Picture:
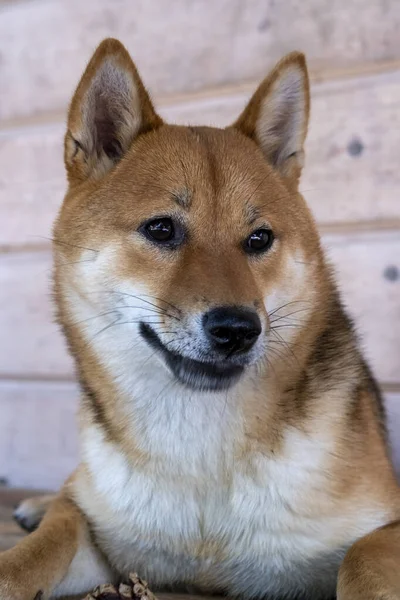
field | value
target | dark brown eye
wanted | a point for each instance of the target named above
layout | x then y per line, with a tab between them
160	230
259	241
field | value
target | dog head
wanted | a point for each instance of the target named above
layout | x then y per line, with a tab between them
189	246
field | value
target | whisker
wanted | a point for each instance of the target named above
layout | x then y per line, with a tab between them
288	304
104	314
147	302
115	323
175	340
181	350
160	312
66	264
280	341
62	243
283	342
103	329
51	269
288	325
312	190
278	352
170	332
162	300
148	358
115	311
270	365
75	262
170	384
159	309
288	315
225	404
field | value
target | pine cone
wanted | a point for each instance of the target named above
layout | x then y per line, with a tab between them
135	589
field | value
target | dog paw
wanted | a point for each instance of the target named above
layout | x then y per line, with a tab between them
28	514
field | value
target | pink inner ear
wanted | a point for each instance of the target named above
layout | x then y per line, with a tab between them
109	108
283	115
105	132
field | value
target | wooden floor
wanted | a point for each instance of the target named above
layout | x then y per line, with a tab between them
10	532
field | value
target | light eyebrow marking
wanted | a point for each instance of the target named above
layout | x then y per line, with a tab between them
252	213
183	198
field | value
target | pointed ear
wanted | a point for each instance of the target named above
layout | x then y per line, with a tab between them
109	109
276	117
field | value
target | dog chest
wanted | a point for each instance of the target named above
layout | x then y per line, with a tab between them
213	532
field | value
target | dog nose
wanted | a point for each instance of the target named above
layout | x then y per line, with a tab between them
232	329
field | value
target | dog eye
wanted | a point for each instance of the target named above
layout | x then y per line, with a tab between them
259	241
160	230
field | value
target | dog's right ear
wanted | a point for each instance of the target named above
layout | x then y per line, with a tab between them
110	108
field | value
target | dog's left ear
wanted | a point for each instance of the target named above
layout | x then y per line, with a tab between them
276	117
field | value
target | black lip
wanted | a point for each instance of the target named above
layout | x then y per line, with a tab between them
195	374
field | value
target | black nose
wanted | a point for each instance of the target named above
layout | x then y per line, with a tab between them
232	329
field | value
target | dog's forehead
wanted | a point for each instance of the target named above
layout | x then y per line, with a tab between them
201	165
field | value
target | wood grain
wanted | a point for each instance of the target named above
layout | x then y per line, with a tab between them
32	184
181	45
368	275
201	61
38	432
31	346
351	173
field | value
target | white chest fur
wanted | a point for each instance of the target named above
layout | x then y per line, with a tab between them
198	516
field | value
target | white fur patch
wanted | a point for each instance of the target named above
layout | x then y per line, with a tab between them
289	306
87	570
261	520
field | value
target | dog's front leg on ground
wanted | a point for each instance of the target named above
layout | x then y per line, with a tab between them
57	559
371	568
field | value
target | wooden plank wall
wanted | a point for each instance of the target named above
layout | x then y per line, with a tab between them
201	60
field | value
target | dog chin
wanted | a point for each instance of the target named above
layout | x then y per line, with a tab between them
194	374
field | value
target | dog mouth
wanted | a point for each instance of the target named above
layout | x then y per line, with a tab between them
195	374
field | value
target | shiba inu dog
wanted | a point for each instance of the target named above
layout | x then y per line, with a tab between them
232	436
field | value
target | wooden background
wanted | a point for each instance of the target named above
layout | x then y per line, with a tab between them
200	59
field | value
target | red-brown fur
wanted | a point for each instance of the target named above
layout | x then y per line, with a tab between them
308	406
